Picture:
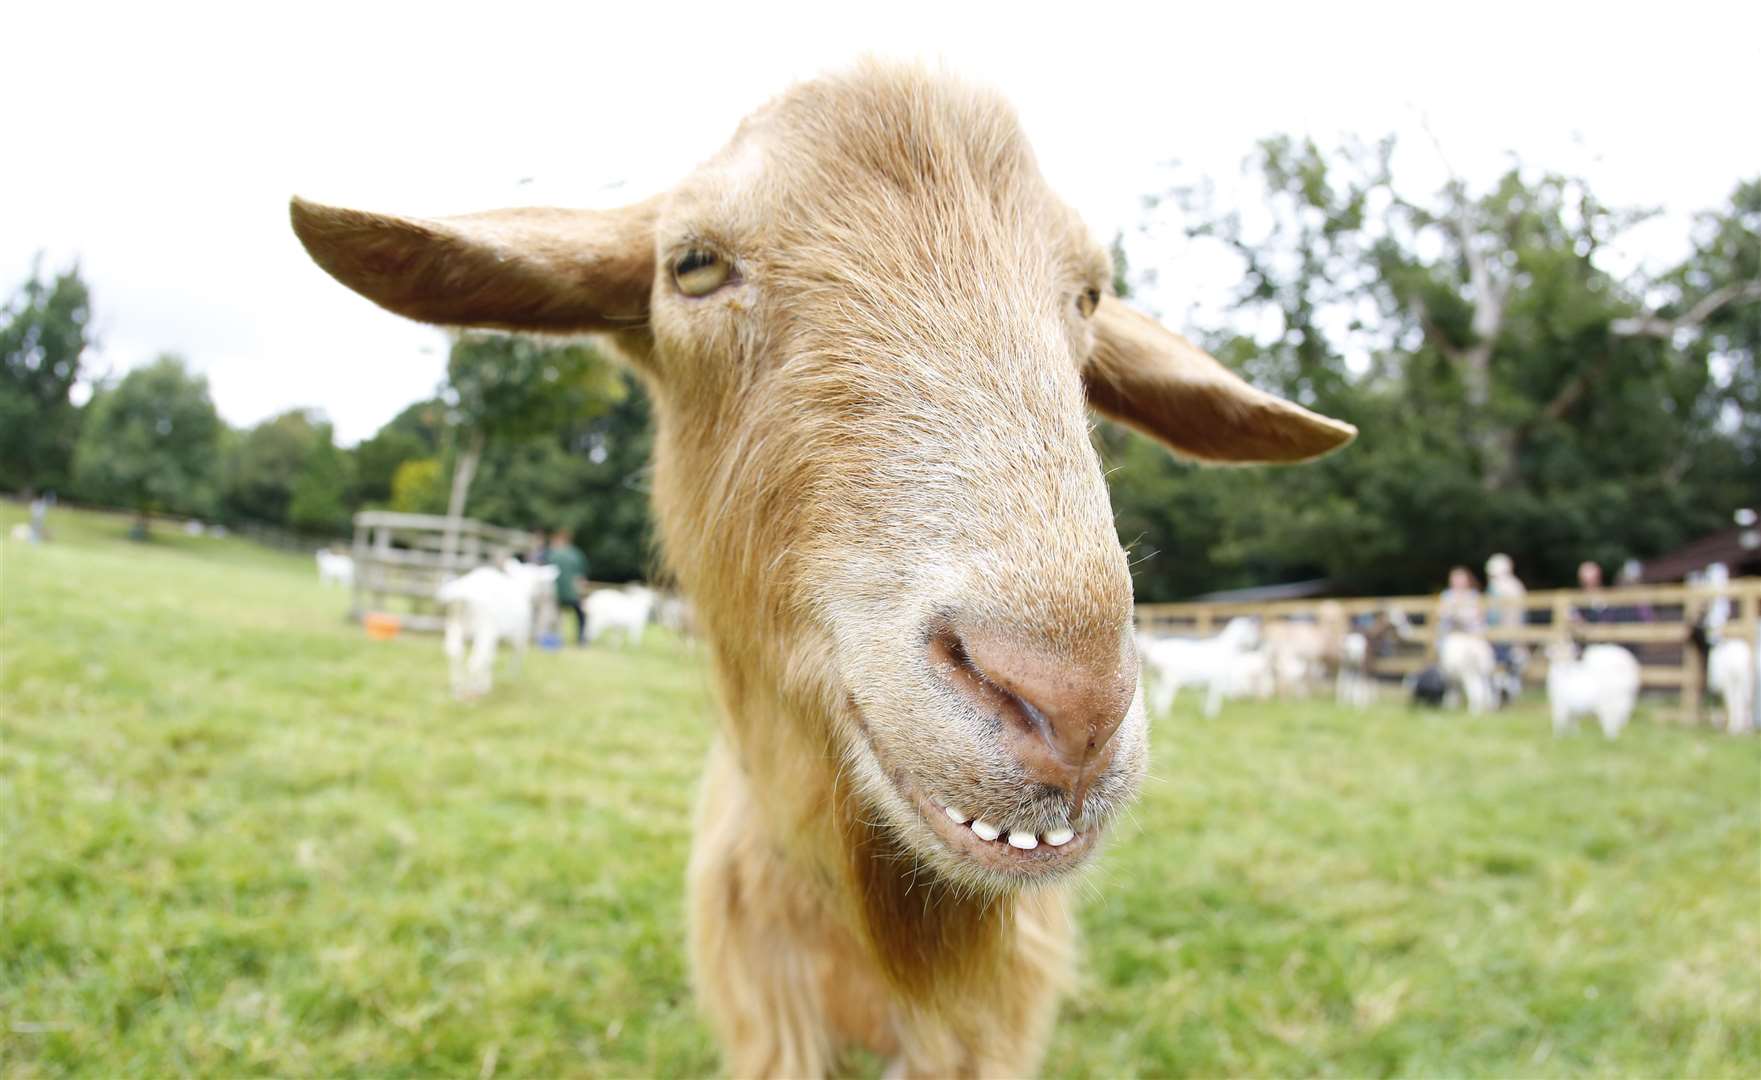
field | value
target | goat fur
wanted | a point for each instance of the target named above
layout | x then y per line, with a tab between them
873	425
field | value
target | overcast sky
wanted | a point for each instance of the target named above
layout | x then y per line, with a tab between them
158	143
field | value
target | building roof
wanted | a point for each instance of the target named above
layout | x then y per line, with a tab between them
1737	548
1291	590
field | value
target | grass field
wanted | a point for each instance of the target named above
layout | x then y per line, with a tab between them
241	839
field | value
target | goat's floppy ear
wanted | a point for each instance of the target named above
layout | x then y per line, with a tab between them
1163	385
538	270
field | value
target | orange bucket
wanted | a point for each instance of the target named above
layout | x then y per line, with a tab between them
380	626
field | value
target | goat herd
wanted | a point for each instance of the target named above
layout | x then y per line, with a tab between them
515	602
1249	659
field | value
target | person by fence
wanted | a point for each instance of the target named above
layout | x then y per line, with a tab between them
571	571
1459	608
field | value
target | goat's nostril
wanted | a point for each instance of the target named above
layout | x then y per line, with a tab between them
1058	716
949	652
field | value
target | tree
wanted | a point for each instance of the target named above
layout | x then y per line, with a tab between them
419	487
323	494
1513	393
262	466
415	433
590	477
44	333
288	471
151	443
1713	307
509	389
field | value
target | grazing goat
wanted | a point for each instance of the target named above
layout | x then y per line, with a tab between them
1250	676
1467	663
487	605
1173	663
1603	682
1306	656
1361	651
1730	673
624	612
1296	651
335	568
673	612
871	333
1355	686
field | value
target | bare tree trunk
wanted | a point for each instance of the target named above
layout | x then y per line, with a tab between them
1497	445
463	471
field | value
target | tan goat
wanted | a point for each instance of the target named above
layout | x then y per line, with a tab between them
870	332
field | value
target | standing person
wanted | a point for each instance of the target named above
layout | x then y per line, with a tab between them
1706	616
1504	593
1504	608
40	518
571	576
1717	578
1594	609
1459	610
1631	576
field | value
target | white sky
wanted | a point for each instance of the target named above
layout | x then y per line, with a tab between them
158	142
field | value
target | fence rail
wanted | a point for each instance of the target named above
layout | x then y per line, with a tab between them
401	559
1655	621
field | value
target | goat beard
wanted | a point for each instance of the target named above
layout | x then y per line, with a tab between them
932	937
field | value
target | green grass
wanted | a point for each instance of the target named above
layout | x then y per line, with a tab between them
241	839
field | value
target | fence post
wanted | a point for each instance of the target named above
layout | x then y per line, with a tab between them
1752	605
1693	692
357	587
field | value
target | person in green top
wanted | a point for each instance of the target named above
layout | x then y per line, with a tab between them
571	575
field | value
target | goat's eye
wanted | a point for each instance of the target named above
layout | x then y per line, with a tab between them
699	273
1086	302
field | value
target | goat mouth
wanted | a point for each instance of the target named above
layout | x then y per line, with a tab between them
1024	853
1018	852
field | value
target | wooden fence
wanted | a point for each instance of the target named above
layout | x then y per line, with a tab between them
1653	621
401	559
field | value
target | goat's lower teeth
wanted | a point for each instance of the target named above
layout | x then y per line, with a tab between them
1058	837
955	816
985	830
1023	840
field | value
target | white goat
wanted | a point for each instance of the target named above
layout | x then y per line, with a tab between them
1296	652
1250	676
1467	664
1730	673
486	605
335	568
674	612
1171	663
623	611
1604	682
1355	686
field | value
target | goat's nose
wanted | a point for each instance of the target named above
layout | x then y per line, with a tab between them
1058	714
